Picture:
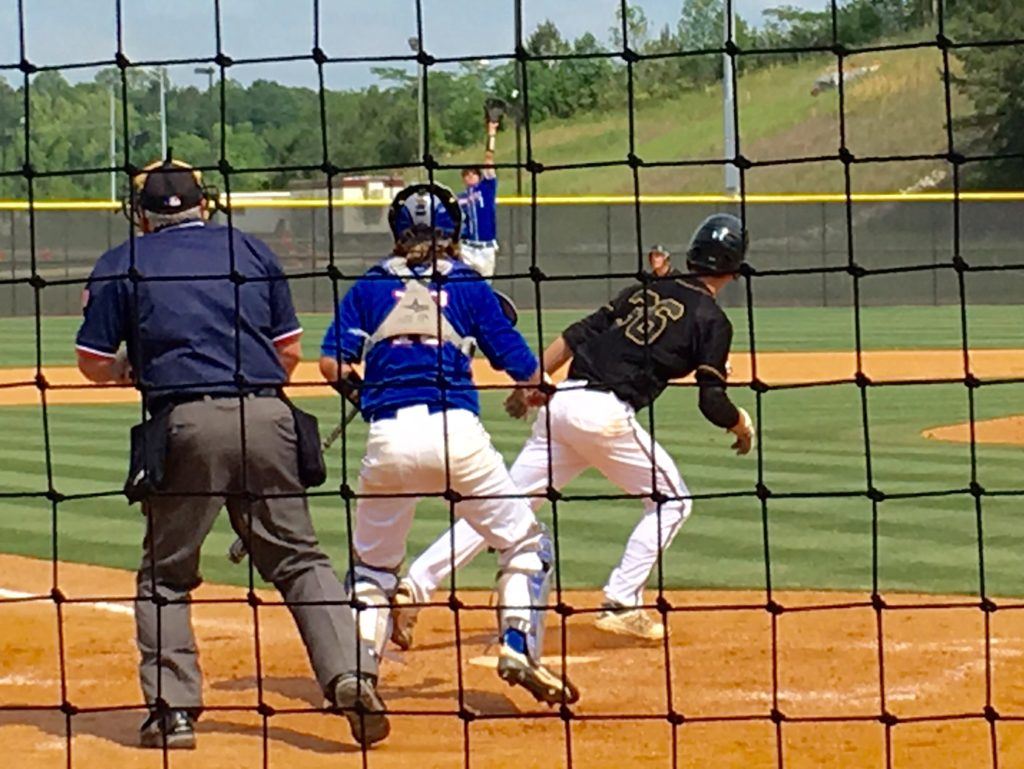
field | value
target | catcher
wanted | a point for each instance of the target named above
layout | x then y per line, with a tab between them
414	319
623	356
479	201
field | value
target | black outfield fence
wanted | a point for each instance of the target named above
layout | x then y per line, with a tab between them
910	236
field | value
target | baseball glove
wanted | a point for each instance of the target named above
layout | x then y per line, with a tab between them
495	109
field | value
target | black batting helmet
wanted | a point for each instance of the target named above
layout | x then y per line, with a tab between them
718	246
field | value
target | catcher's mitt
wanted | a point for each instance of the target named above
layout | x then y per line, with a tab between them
495	109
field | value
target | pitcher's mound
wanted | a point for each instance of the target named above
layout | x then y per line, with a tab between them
1008	430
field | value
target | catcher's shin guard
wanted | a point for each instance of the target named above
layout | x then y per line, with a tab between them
372	590
524	584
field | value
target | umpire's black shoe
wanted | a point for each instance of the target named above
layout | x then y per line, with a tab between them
357	698
172	728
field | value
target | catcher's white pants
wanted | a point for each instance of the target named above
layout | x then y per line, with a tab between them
406	455
588	429
480	256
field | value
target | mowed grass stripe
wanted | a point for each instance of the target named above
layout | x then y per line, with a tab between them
776	328
813	440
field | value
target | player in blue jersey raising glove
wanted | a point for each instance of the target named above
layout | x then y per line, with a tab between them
414	320
479	247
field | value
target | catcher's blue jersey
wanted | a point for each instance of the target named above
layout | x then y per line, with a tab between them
404	372
480	210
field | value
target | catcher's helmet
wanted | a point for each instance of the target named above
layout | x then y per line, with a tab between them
718	245
425	212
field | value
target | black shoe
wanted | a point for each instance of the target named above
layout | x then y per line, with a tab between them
173	728
517	669
357	698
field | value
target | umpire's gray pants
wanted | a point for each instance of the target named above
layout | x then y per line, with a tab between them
205	458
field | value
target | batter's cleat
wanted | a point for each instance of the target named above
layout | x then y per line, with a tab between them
516	668
623	620
357	698
403	616
172	728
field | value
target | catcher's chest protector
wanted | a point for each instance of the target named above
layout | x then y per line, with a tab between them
417	313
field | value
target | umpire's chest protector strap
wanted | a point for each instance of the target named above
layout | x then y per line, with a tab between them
417	314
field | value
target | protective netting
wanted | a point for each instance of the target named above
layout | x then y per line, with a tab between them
532	282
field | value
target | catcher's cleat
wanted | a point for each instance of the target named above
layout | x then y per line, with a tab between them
517	669
623	620
403	616
357	698
172	729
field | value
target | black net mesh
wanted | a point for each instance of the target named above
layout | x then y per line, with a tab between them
846	252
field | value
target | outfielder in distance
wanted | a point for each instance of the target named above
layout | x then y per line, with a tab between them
414	320
478	202
623	357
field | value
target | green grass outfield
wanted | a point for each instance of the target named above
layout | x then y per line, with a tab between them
813	444
775	329
779	118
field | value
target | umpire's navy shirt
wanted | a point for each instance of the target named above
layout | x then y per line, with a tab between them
184	337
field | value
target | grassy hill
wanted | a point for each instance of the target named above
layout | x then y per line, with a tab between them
899	109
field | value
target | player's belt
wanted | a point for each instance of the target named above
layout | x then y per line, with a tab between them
481	243
391	413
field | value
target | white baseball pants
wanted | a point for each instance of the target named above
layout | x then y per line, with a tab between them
588	429
407	455
481	257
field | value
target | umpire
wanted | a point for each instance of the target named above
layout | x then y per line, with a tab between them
210	336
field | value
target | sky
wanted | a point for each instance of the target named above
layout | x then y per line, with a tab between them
65	31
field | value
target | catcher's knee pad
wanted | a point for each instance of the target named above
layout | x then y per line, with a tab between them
372	590
524	584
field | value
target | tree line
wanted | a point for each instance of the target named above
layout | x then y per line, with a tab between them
267	125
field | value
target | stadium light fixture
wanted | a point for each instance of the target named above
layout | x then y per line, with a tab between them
208	71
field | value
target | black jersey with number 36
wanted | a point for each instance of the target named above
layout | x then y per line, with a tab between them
649	335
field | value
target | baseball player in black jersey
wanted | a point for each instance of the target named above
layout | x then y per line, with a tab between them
623	356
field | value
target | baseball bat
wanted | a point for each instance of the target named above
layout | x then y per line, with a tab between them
238	550
340	428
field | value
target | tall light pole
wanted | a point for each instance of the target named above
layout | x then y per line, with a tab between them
519	112
208	71
113	147
421	73
162	73
732	173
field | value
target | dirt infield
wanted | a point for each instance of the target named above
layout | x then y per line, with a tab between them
720	663
18	387
1007	430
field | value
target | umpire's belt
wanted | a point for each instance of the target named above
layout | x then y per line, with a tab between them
160	402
